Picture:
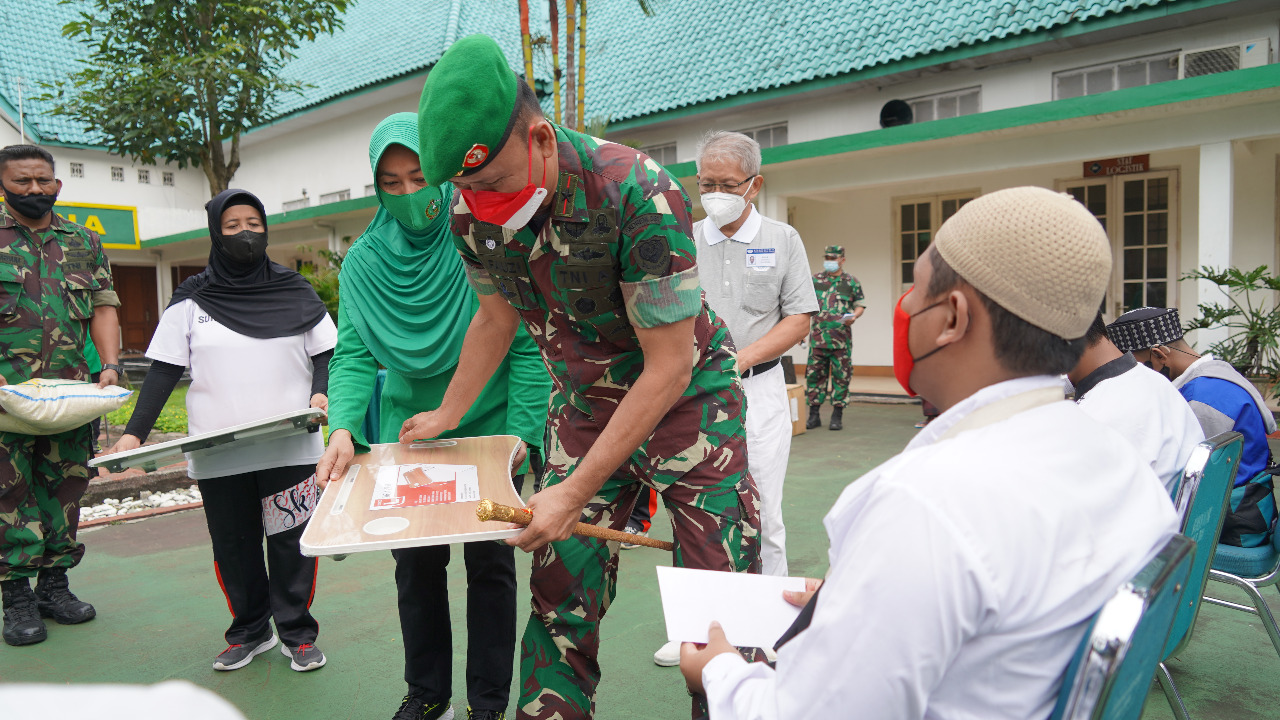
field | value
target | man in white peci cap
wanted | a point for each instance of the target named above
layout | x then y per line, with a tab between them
964	569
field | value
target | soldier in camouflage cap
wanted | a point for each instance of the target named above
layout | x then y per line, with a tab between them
839	306
589	244
55	287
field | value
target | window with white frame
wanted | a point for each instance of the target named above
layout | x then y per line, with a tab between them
337	196
1134	72
77	170
946	105
1139	213
915	221
144	177
291	205
166	178
664	154
117	174
768	135
371	189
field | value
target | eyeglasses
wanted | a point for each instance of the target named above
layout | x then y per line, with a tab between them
707	187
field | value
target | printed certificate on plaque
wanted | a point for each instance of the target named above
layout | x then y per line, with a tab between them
401	486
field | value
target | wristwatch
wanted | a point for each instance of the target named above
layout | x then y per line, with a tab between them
112	366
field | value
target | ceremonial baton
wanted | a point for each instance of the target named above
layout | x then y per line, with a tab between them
489	510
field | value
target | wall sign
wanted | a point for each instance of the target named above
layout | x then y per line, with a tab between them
117	225
1117	166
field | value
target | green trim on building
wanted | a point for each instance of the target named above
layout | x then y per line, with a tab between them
315	212
1174	91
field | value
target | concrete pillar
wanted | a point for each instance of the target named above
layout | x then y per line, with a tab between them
1217	196
164	281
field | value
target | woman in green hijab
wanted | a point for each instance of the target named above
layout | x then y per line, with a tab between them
404	303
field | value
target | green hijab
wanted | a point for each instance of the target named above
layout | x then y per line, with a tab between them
402	283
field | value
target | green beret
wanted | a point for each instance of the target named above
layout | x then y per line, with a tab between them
835	250
467	110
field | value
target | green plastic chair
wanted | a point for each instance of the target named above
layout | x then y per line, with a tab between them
1111	672
1201	502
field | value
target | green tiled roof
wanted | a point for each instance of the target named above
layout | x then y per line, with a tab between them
691	52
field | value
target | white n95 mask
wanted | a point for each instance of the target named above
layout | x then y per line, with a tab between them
723	208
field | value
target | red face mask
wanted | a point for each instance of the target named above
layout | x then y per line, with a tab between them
903	362
510	210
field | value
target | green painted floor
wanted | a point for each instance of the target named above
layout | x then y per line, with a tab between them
161	615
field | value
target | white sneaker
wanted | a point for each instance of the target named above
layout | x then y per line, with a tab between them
668	655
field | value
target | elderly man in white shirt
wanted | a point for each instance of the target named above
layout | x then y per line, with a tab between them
755	276
964	569
1138	403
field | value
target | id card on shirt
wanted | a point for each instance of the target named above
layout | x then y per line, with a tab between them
762	257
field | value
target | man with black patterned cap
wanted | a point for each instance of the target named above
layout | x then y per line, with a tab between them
589	244
1222	399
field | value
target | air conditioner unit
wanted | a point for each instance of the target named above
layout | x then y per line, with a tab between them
1208	61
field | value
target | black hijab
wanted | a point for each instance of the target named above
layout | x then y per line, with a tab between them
261	300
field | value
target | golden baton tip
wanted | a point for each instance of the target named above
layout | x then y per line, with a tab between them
484	510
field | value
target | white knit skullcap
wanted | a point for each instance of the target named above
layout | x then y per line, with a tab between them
1036	253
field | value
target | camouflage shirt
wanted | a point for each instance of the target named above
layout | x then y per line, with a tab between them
50	282
837	296
614	253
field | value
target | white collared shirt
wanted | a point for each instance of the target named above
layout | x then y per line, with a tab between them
745	234
963	571
758	279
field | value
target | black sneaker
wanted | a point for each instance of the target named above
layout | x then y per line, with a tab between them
304	657
473	714
414	708
55	599
634	529
237	656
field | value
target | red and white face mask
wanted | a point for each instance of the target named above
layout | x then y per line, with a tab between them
510	210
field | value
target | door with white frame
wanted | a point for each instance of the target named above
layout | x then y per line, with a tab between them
915	220
1140	214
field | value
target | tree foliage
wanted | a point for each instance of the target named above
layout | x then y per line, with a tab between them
173	80
1250	316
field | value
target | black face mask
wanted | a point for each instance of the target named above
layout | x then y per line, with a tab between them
1163	371
34	206
245	247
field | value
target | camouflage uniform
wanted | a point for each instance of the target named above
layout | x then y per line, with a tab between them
616	253
50	282
829	338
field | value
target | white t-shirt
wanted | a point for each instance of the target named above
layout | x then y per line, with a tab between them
236	379
1147	410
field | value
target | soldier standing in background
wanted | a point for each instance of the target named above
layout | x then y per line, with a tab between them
589	244
839	305
55	289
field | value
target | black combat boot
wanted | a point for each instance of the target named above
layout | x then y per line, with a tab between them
22	623
837	419
58	602
814	419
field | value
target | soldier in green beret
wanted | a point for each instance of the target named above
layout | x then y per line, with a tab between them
55	290
588	243
839	306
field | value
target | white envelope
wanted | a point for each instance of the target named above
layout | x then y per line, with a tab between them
750	608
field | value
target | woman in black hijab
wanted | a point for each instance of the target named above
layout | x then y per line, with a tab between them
257	340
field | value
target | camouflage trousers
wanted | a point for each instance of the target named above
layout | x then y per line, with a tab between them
827	363
42	478
715	517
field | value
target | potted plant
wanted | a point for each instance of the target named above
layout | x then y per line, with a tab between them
1251	318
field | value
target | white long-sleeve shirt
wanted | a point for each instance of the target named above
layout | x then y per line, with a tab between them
1147	410
964	569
